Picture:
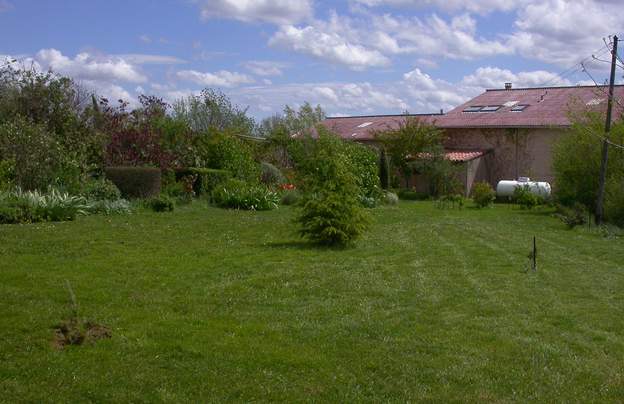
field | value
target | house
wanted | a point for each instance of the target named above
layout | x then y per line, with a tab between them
501	134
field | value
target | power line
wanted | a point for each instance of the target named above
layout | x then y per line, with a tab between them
577	67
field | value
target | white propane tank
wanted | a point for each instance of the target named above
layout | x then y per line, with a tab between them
506	188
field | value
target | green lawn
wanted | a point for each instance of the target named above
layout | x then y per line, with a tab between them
214	305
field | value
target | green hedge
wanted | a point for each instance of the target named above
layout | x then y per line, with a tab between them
411	195
135	182
207	178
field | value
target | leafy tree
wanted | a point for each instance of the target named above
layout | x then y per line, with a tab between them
43	132
412	141
213	110
577	156
278	130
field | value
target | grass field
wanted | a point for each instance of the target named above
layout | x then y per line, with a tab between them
213	305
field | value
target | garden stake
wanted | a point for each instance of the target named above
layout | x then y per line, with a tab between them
534	255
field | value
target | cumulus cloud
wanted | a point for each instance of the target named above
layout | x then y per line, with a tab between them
494	77
222	78
416	92
265	67
86	66
272	11
474	6
564	31
328	46
435	36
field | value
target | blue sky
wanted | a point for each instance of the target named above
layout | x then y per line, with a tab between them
352	57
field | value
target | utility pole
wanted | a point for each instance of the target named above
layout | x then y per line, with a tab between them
605	142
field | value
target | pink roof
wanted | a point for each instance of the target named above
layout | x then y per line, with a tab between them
361	128
546	107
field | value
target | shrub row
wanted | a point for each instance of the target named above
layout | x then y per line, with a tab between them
207	179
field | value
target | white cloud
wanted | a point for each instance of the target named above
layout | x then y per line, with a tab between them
145	38
272	11
86	66
222	78
563	31
329	46
475	6
143	59
435	36
265	67
494	77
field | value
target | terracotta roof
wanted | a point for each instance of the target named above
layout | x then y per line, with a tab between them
545	107
464	155
457	155
362	127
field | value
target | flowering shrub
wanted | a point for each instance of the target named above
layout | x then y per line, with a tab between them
287	187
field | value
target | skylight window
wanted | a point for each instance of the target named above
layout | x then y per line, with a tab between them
519	108
365	124
510	104
473	108
491	108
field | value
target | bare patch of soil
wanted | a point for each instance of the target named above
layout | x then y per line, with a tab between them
78	332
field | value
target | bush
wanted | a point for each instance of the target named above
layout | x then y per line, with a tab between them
390	198
368	201
411	195
573	216
237	194
207	178
452	201
271	175
101	190
10	215
483	195
290	197
577	159
614	202
7	174
33	206
330	211
364	165
135	182
161	204
227	152
107	207
525	198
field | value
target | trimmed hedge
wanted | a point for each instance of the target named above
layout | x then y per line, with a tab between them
207	178
135	182
411	195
